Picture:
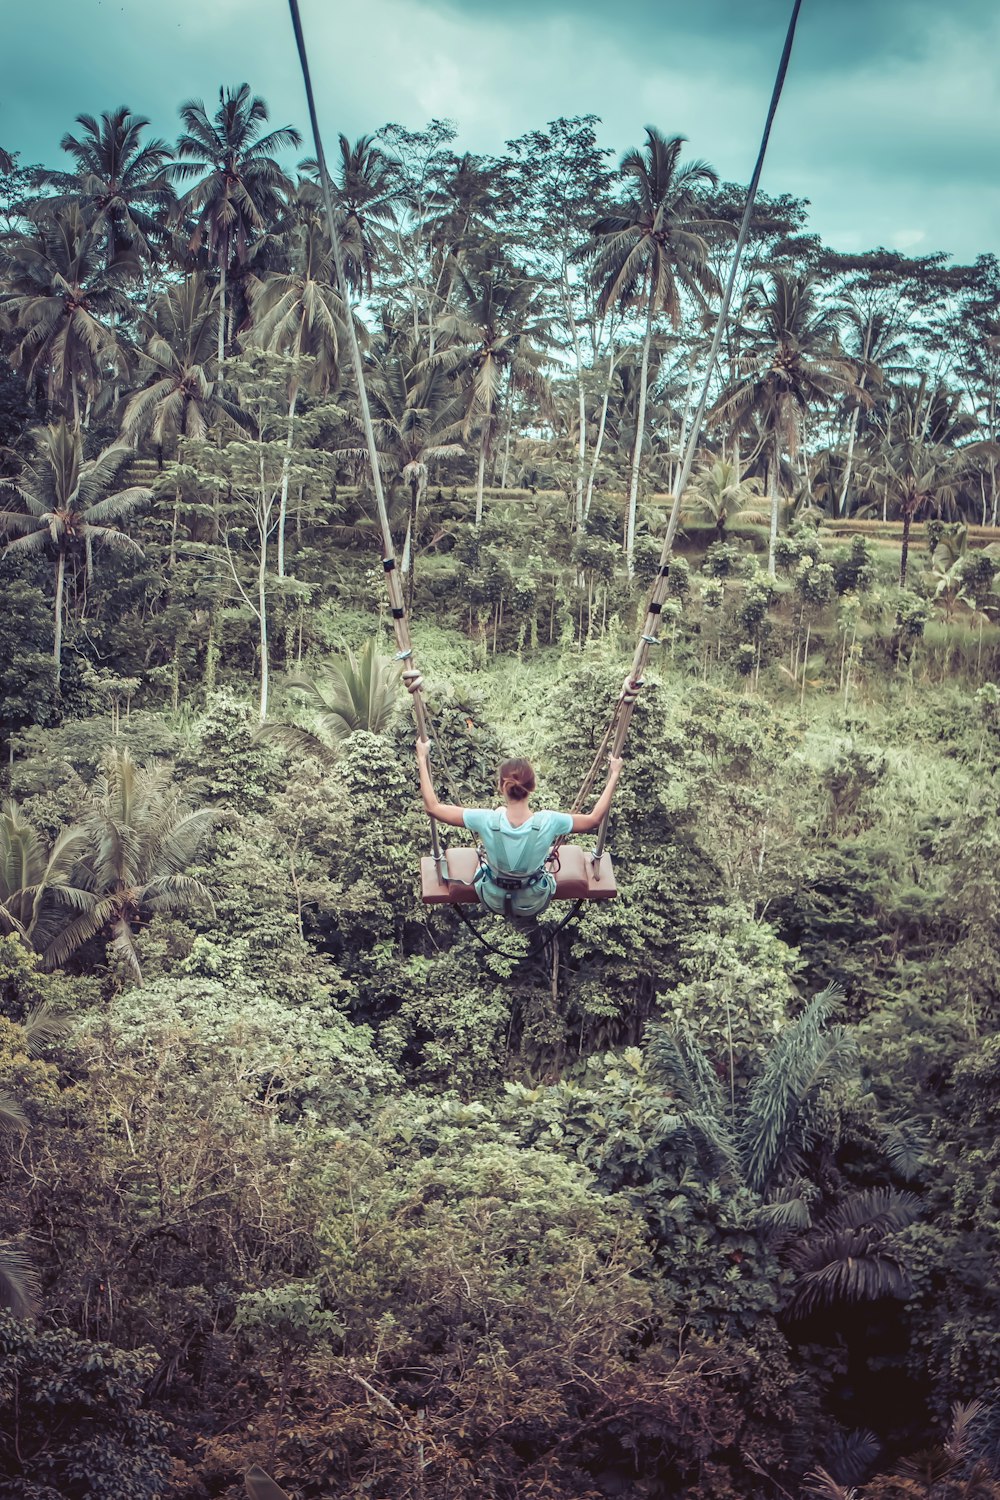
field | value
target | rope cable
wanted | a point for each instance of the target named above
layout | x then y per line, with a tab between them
621	718
411	677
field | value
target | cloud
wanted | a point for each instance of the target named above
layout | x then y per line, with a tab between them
890	118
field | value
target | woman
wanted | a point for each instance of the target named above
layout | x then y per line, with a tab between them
514	881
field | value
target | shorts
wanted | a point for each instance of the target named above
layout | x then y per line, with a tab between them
530	901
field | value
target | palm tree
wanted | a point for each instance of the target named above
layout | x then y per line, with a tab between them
718	492
61	301
121	179
68	501
241	189
29	873
917	466
461	212
849	1256
792	365
496	339
182	395
141	840
646	253
358	692
954	1469
369	191
18	1279
878	346
418	414
762	1140
300	313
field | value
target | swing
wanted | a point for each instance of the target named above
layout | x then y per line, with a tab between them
447	876
580	876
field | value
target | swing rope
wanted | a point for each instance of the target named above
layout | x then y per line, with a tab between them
412	679
616	733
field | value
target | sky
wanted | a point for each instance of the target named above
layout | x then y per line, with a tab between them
889	123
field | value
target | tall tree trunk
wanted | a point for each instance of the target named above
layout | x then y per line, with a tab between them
479	476
848	466
262	617
772	489
418	489
506	447
286	465
58	633
640	427
581	445
222	310
211	654
905	550
174	526
599	443
682	436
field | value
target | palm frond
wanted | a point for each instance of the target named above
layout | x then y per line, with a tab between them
19	1287
44	1025
803	1056
260	1486
12	1115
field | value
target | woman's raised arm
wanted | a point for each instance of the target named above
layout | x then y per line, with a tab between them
587	822
445	812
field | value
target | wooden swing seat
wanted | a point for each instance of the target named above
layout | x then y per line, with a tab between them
578	878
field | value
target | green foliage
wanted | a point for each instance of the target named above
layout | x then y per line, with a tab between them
339	1196
77	1409
854	568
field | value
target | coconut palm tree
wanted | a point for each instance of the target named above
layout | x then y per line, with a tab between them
69	502
358	692
121	181
30	874
240	189
496	340
18	1279
916	475
141	838
61	303
418	414
791	365
182	395
646	253
877	346
369	192
300	313
461	213
719	493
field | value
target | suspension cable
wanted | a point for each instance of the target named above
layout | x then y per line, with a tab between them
621	718
412	679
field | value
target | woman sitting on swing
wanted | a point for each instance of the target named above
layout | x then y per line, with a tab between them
514	881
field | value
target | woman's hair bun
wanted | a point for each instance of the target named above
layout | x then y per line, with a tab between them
516	779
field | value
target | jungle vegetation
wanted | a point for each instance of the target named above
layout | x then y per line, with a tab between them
296	1178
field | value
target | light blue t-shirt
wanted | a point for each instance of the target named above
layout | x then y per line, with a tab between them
517	851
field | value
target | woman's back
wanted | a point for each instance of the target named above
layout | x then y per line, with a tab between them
516	849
